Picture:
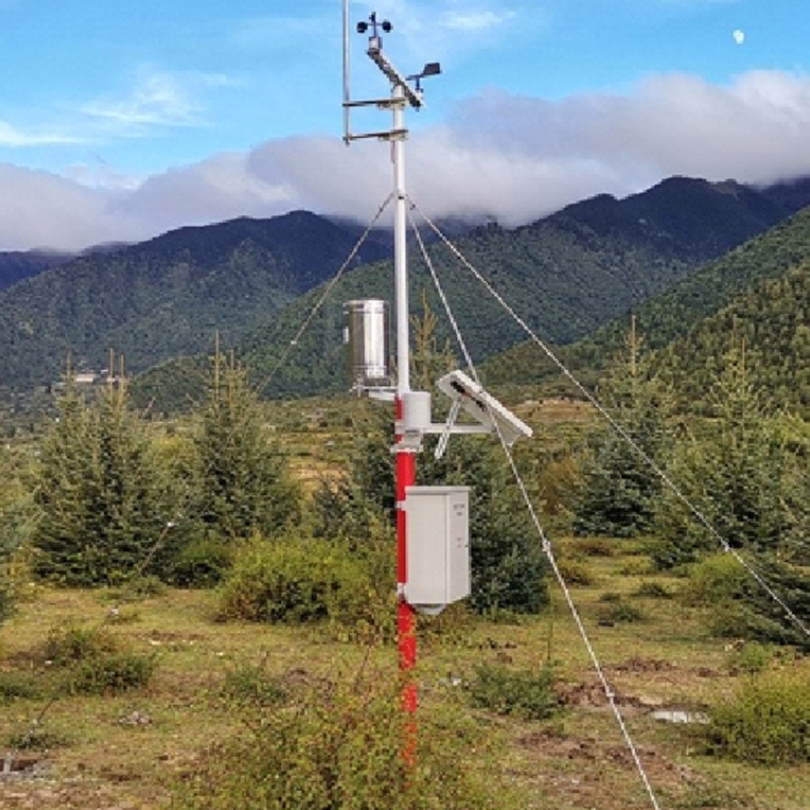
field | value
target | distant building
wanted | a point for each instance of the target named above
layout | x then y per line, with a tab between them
85	377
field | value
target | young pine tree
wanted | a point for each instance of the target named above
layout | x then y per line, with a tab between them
102	507
6	595
242	480
618	490
16	519
734	468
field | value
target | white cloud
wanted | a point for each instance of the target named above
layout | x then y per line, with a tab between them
14	137
455	28
516	158
38	209
472	20
753	130
216	189
159	98
101	174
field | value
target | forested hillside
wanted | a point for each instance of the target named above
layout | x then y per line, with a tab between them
565	275
18	265
167	296
757	291
771	324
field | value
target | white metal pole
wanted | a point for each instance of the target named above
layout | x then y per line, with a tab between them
346	74
400	245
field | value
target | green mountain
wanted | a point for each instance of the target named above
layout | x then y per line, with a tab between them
757	294
792	195
167	296
768	319
18	265
768	256
771	324
565	275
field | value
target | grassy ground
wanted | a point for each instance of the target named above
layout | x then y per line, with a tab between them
127	751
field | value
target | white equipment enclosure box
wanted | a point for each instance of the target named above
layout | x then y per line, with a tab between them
438	532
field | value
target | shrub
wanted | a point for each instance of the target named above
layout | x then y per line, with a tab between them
636	568
339	747
37	739
8	586
766	720
304	580
596	547
94	661
751	657
524	693
17	577
715	580
653	590
251	684
201	564
17	521
114	673
66	646
575	573
741	608
16	685
622	612
6	601
135	590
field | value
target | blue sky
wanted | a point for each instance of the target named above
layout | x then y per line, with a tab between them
120	119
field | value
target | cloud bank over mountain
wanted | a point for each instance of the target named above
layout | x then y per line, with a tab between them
504	156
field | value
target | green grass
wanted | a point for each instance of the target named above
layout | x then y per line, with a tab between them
216	682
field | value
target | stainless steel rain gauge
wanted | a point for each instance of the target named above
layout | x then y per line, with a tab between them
367	340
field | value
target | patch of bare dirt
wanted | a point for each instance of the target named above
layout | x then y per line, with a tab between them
591	695
549	743
707	672
32	784
639	664
52	796
590	760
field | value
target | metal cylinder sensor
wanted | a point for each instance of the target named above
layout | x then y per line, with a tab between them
367	340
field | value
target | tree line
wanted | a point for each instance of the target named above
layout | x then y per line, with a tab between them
110	499
114	498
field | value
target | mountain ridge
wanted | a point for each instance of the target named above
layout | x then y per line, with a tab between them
167	295
755	294
247	278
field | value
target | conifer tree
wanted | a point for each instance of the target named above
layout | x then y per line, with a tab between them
6	548
242	480
16	518
102	507
734	468
618	489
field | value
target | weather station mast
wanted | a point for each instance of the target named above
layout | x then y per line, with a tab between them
367	319
433	545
